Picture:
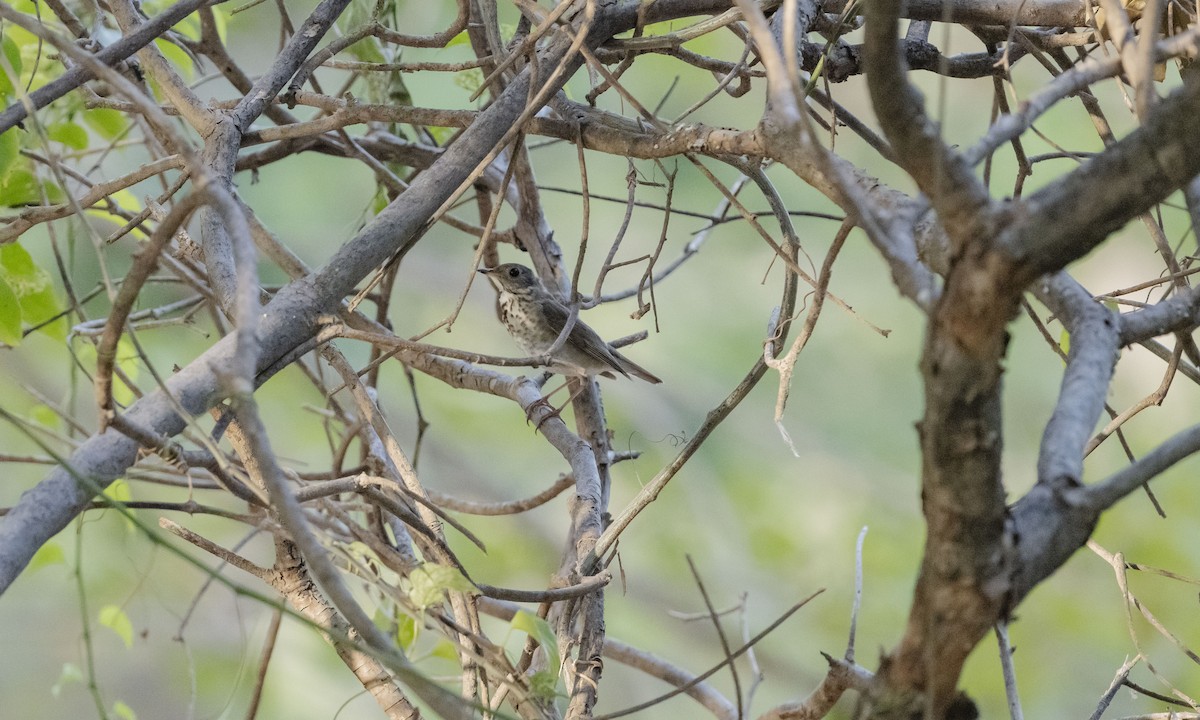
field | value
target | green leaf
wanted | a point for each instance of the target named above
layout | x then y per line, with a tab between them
18	264
49	554
115	619
18	187
10	315
368	49
10	150
107	122
44	416
39	307
13	53
33	288
177	57
441	134
430	580
380	201
69	134
126	360
540	630
543	683
1064	341
469	80
460	39
70	674
127	363
123	711
118	490
445	650
407	631
26	6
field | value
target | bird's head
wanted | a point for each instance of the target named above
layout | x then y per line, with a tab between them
512	278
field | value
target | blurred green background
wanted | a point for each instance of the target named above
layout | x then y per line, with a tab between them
759	522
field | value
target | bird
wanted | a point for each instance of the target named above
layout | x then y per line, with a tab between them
535	319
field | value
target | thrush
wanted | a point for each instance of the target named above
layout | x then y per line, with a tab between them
535	319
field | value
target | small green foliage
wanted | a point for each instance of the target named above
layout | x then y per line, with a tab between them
12	52
115	619
108	123
118	490
441	134
70	673
49	554
19	187
10	151
431	580
445	650
407	631
469	80
10	315
33	289
126	361
44	416
177	57
542	683
69	134
123	711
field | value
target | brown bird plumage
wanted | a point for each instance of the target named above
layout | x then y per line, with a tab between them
535	319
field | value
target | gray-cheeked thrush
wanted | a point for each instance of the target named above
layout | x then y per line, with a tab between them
535	319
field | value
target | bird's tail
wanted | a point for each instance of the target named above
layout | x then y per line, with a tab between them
632	368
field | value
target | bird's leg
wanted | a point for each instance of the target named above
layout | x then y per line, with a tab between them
557	411
544	402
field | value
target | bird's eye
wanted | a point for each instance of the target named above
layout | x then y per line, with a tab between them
514	272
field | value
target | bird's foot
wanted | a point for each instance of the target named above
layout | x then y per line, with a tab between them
540	402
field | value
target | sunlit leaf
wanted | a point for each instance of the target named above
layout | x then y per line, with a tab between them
177	57
469	80
543	683
10	150
10	315
40	306
69	134
445	650
18	187
127	363
126	360
13	54
441	134
122	710
115	619
32	286
538	629
431	580
368	49
119	490
407	631
51	553
70	673
108	123
44	416
29	7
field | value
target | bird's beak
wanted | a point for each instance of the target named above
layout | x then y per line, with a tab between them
487	272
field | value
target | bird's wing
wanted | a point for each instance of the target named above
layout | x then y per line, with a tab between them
582	338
